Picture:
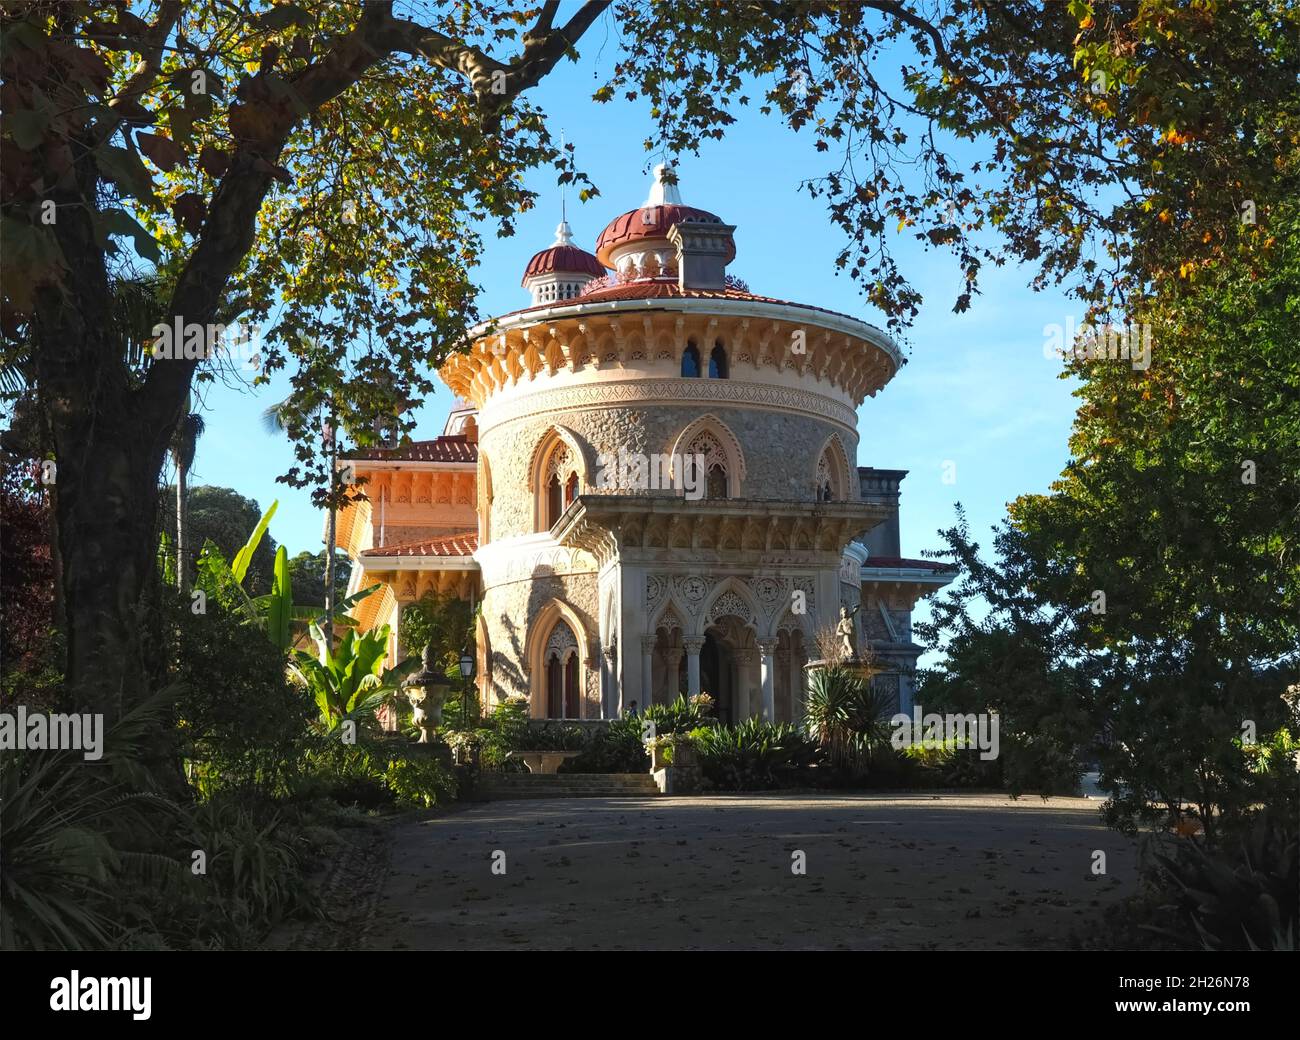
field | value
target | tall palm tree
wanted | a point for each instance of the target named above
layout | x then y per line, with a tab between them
183	444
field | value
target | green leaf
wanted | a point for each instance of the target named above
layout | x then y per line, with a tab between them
27	128
239	566
279	611
125	169
120	222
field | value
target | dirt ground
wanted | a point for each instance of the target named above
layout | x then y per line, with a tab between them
906	872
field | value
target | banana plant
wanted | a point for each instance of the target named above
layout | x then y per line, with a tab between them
350	679
275	613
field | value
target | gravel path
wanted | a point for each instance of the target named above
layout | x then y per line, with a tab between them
883	872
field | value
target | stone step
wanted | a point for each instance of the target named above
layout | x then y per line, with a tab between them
567	785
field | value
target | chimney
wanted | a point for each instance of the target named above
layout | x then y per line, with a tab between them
880	486
702	251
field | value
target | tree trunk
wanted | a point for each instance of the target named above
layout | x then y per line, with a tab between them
329	549
107	508
182	560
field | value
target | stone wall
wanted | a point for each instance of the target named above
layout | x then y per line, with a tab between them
507	610
780	450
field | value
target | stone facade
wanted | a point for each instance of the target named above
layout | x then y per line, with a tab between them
715	565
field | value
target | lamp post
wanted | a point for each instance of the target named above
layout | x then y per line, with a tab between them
466	670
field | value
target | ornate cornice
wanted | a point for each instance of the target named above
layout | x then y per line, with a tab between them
717	392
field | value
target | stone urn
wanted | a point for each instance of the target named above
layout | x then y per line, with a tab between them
427	690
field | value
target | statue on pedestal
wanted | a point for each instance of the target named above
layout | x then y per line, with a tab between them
847	632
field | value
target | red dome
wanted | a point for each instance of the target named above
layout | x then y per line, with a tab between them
564	259
650	222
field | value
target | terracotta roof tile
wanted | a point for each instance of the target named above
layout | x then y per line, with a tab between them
452	447
656	289
461	544
649	222
563	258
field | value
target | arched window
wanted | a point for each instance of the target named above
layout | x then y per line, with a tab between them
716	486
718	362
705	451
691	361
558	484
831	480
562	673
554	501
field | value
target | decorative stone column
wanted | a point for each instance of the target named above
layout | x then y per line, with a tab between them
609	686
769	684
784	691
673	659
647	671
741	694
796	687
693	648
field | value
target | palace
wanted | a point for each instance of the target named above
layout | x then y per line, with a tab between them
595	598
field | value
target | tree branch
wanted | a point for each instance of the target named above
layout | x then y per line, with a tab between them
150	47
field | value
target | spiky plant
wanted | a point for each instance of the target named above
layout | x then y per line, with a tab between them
845	715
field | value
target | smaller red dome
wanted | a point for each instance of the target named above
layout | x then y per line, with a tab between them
562	259
650	222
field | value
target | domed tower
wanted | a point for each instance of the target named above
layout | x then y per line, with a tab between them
667	494
561	271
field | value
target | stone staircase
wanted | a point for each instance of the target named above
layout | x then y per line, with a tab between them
498	787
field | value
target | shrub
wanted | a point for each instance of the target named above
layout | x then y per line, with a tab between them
419	781
1245	896
949	764
753	755
240	721
550	736
377	774
682	715
616	748
846	716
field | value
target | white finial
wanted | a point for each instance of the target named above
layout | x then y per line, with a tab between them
662	194
563	235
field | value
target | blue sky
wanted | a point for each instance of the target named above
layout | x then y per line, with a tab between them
976	391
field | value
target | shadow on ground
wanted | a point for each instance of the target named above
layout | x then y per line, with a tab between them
973	872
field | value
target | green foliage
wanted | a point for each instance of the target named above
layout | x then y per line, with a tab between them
1243	897
60	853
445	621
223	517
951	764
375	773
846	715
307	571
240	721
1179	506
275	613
682	715
255	862
615	748
752	755
89	865
419	782
550	736
350	680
